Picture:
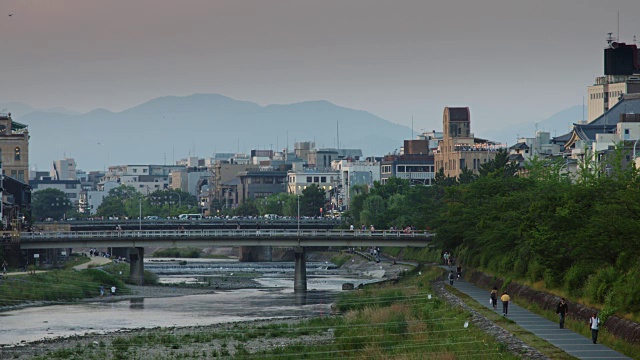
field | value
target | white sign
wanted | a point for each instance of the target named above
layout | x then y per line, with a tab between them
36	256
64	253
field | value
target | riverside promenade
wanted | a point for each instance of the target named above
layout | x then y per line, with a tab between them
572	343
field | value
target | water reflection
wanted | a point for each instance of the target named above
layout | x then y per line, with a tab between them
136	304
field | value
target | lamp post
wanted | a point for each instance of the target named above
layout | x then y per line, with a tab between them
634	149
140	213
298	196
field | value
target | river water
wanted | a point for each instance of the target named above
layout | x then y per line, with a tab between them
275	299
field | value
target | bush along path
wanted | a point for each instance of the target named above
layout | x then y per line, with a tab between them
572	343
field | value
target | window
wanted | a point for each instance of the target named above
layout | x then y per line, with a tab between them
323	179
626	131
14	174
309	179
16	155
135	171
21	175
71	195
144	170
70	186
316	179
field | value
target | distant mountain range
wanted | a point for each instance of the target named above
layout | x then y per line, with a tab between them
169	128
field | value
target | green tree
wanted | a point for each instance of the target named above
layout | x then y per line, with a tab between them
113	204
499	166
313	198
443	180
248	208
50	203
466	176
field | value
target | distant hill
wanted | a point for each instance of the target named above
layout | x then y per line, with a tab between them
169	128
557	124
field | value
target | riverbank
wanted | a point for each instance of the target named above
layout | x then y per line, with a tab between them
381	321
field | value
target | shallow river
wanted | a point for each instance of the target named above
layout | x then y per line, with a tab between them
278	300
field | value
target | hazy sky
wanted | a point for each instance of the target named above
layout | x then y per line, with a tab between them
509	60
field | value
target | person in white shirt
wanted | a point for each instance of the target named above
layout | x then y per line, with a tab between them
594	324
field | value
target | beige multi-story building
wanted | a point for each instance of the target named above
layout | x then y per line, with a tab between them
14	148
607	91
458	148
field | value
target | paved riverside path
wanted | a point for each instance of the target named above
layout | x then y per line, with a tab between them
572	343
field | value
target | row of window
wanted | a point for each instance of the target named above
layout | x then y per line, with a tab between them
313	179
601	95
415	168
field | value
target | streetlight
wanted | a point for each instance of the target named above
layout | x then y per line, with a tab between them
634	149
140	213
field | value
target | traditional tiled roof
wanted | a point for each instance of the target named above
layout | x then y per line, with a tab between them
519	146
603	124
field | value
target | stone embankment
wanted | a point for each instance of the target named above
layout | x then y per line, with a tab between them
512	343
624	329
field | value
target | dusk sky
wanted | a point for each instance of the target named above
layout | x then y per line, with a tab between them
509	61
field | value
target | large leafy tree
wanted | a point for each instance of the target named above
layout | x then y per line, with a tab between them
499	166
114	203
313	198
50	203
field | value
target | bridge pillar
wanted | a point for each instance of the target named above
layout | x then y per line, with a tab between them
136	265
300	276
255	254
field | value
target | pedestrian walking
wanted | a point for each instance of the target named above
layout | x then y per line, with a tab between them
113	290
494	297
451	277
101	291
505	298
4	267
459	272
562	310
594	324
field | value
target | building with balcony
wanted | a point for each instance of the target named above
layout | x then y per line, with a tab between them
458	148
14	148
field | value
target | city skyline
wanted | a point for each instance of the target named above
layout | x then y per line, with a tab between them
510	63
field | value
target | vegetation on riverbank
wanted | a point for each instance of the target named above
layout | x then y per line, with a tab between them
576	235
380	322
121	271
56	285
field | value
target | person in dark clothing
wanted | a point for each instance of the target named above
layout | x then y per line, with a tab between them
562	310
494	297
459	271
451	278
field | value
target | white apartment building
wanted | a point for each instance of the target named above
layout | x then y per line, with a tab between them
144	178
298	181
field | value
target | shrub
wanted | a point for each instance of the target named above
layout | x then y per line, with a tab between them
576	277
627	292
599	284
552	278
535	271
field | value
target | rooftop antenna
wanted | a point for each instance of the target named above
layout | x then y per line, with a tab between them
618	25
338	133
583	108
411	127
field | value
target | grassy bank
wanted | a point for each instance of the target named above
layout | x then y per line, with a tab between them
400	321
56	285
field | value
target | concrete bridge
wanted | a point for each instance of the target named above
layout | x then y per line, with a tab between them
137	240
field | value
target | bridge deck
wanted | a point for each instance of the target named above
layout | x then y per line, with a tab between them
203	237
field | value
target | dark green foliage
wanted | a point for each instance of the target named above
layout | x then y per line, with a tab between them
548	227
50	203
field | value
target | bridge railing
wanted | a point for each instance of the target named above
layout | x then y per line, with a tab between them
249	233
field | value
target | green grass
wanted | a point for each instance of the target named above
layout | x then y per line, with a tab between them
56	285
339	260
